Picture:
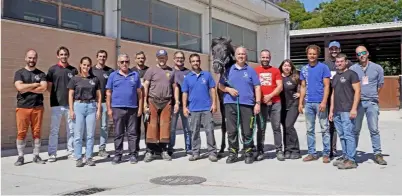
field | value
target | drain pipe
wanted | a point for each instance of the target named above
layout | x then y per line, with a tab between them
118	46
210	34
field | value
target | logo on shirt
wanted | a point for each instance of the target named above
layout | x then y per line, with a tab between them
168	75
70	75
132	79
92	82
204	81
245	74
266	79
37	78
289	83
343	80
105	76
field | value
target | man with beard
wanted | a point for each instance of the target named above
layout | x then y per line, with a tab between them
30	83
180	73
271	86
158	93
58	77
334	50
102	72
371	77
199	92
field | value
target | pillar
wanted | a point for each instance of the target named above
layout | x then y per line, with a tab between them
326	49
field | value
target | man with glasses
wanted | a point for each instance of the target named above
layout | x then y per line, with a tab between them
371	77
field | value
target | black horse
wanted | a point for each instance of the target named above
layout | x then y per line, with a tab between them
223	58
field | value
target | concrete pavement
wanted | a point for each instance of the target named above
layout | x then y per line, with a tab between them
266	177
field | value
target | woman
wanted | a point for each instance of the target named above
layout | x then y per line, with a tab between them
85	104
289	113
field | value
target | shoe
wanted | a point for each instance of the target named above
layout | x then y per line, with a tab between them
103	153
90	162
232	158
221	152
326	159
287	155
260	156
188	152
194	157
148	157
294	156
133	159
338	161
116	160
20	161
249	159
166	156
170	152
347	164
310	158
52	158
38	160
280	156
213	158
79	163
380	160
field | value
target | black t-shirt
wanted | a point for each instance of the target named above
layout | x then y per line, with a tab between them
84	88
60	77
343	90
29	99
141	72
102	75
289	89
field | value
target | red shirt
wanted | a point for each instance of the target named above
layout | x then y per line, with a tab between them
268	77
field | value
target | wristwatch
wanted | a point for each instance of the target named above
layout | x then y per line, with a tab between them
258	102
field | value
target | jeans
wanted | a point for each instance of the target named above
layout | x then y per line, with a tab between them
346	132
372	112
274	113
85	118
196	119
311	112
57	114
125	120
103	128
186	131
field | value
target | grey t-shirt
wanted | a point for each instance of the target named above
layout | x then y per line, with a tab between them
371	79
179	76
160	82
343	90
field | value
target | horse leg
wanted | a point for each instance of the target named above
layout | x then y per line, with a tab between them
223	125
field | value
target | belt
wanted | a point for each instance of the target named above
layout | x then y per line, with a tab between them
85	101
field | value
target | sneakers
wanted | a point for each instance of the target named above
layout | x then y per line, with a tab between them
79	163
194	157
52	158
326	159
38	160
260	156
380	160
148	157
103	153
347	164
232	158
338	161
20	161
287	155
116	160
221	152
310	158
280	156
90	162
166	156
249	159
133	159
213	158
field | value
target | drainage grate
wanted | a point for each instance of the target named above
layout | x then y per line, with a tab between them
88	191
178	180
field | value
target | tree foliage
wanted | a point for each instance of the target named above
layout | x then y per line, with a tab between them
298	13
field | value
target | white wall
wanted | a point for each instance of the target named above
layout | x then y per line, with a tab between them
273	37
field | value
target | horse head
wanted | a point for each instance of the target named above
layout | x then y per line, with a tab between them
222	52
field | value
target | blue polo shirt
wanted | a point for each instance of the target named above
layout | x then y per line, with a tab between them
243	80
124	89
197	87
314	77
375	78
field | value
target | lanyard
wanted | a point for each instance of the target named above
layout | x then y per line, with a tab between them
365	70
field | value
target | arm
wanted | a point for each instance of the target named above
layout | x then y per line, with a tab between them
40	89
146	91
302	92
49	86
212	93
380	79
184	99
176	93
326	91
109	99
99	99
277	90
257	90
140	101
332	102
356	98
71	102
21	87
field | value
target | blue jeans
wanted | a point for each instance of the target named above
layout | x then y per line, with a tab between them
311	111
345	128
186	130
85	118
372	112
103	128
55	120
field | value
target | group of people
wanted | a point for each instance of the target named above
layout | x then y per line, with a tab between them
155	97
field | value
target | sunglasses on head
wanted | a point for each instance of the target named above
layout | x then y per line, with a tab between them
361	53
122	62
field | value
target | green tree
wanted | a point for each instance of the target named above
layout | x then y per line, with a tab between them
376	11
339	13
399	7
297	11
315	21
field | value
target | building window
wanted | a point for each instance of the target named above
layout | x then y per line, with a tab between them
240	36
160	23
79	15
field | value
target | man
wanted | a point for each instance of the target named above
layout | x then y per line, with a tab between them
30	83
200	94
345	99
58	77
102	72
124	104
334	50
371	77
314	91
271	86
242	99
158	88
180	73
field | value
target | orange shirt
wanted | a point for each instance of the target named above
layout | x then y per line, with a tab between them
268	77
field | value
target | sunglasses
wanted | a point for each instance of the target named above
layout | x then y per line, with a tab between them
361	53
122	62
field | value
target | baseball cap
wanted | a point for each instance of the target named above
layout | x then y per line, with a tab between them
161	53
334	43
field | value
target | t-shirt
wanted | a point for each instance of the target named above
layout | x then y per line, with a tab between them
84	88
197	87
124	89
268	77
371	79
179	76
314	77
289	89
60	76
160	82
29	99
343	90
102	75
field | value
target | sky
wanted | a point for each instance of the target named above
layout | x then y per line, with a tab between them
311	4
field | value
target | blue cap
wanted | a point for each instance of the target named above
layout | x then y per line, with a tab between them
334	43
161	53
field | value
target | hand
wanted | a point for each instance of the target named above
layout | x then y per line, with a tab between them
301	108
146	108
233	92
296	95
269	103
213	108
267	98
331	116
37	85
322	106
176	108
353	114
72	115
186	111
256	109
110	114
98	114
139	113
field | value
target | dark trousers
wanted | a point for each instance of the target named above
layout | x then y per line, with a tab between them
273	112
246	124
223	124
125	120
288	120
332	129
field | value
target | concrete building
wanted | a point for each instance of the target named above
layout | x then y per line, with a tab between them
87	26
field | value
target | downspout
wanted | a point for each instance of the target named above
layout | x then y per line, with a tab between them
118	46
210	34
287	29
